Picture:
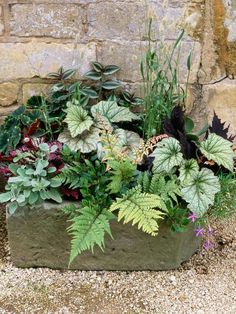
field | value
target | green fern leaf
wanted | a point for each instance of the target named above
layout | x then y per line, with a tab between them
167	155
78	120
218	149
89	229
140	208
122	173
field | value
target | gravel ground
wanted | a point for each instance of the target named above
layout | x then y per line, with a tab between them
205	284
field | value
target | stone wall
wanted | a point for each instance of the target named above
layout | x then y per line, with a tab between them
39	36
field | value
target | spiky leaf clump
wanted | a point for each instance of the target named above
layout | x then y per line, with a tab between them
88	229
199	191
139	208
167	155
219	150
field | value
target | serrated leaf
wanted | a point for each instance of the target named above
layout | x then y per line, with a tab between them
112	112
111	69
109	85
219	150
139	208
78	120
199	191
167	155
188	169
93	75
85	143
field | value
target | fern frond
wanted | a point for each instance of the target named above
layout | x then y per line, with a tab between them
140	208
88	229
146	183
70	176
122	173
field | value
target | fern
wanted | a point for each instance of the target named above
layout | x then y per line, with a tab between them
88	229
122	173
69	176
140	208
167	188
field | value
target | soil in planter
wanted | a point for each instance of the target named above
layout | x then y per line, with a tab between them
3	234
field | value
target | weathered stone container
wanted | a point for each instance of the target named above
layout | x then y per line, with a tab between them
38	238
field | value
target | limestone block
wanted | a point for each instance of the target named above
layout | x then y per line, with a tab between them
1	21
116	20
221	98
38	59
52	20
38	238
8	93
129	57
32	89
5	111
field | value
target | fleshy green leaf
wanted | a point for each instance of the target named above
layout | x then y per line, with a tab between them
12	208
112	112
109	85
199	191
97	66
219	150
167	155
93	75
78	120
54	195
5	197
111	69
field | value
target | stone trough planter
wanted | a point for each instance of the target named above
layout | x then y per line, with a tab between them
38	238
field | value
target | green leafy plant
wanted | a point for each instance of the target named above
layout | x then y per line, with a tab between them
33	182
139	208
162	89
84	127
101	76
199	186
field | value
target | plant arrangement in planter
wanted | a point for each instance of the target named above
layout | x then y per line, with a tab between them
86	144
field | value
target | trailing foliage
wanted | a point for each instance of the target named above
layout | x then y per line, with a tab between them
139	208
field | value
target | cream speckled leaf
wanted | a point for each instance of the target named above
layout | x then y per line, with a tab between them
85	143
112	112
167	155
129	141
218	149
199	191
78	120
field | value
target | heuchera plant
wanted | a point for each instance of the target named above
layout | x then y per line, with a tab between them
99	158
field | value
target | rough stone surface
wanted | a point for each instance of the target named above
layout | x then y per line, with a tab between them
31	89
1	21
52	20
8	93
39	238
116	20
222	100
38	59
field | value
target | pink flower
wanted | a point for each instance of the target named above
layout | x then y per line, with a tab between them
208	245
192	217
199	232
